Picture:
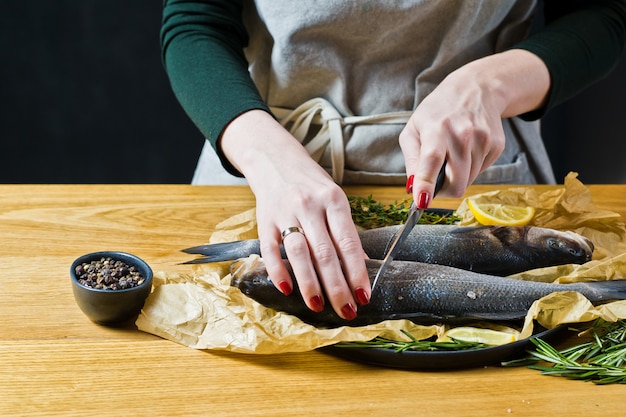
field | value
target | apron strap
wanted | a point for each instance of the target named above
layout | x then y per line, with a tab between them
320	112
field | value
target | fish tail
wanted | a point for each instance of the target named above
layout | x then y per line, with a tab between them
227	251
607	290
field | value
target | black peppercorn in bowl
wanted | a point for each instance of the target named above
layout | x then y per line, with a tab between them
110	287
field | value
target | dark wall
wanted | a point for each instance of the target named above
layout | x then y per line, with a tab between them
588	133
84	99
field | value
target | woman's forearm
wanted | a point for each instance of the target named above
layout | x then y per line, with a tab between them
517	80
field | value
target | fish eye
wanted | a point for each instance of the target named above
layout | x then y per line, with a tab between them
554	243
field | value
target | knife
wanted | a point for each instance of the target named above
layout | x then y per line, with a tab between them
414	215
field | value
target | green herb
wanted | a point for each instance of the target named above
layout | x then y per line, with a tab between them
369	213
602	360
437	218
413	344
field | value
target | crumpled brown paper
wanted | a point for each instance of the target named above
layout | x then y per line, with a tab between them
201	310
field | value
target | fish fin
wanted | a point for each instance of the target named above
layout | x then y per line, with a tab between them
413	316
390	241
499	316
508	234
429	319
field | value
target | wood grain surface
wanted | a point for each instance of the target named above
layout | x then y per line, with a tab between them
54	361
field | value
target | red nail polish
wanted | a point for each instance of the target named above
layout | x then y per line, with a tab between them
285	287
361	296
348	312
317	304
422	200
409	184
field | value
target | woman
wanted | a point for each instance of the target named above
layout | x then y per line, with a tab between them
300	96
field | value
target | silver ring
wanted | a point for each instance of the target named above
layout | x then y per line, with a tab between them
291	230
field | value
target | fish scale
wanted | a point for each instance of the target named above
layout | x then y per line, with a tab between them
423	293
498	250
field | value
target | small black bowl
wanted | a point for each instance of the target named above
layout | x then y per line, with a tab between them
111	306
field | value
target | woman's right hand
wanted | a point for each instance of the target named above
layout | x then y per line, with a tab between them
460	121
292	190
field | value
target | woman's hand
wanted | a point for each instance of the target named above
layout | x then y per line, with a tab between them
293	191
460	121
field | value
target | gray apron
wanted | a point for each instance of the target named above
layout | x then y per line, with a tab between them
344	77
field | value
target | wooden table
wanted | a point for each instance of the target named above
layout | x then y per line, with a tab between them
54	361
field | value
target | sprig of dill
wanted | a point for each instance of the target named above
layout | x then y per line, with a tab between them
413	344
369	213
602	360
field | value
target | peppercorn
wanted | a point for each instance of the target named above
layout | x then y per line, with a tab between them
108	274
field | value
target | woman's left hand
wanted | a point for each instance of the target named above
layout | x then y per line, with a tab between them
460	121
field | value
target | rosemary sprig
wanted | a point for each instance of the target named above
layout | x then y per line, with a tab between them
369	213
413	344
601	360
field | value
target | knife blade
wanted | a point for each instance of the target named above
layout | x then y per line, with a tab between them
414	215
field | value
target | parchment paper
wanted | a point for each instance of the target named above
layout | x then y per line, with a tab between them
201	310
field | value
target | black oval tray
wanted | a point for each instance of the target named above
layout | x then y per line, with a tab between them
439	360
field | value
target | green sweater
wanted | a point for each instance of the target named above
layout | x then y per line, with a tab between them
203	43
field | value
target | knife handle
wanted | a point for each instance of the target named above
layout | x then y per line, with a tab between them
441	178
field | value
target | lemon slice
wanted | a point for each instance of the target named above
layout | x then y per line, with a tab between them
494	214
478	335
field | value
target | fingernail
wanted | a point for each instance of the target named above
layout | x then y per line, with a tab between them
348	311
317	304
285	287
361	296
422	200
409	184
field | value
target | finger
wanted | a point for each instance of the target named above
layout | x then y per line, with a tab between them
478	140
329	271
350	251
297	250
270	241
497	139
472	151
460	160
423	160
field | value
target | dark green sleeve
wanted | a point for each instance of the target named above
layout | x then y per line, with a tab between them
580	44
202	46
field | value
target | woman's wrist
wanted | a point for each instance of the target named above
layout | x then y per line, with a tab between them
258	146
516	80
243	136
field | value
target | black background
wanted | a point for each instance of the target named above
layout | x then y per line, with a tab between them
85	96
85	99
